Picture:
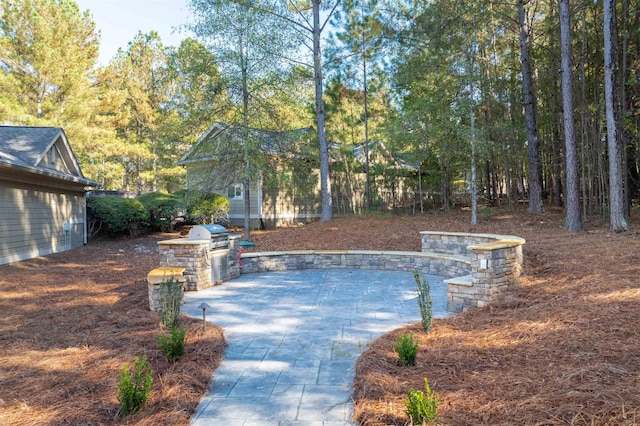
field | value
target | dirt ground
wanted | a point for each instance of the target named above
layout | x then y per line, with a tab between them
564	348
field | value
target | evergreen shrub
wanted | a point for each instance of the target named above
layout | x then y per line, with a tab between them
422	407
135	386
163	210
407	349
424	301
170	298
205	207
115	215
172	346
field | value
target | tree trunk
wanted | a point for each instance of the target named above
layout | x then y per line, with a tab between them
573	222
367	188
154	162
325	184
245	136
583	117
616	201
474	188
535	190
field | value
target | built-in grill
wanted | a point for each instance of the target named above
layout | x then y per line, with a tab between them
218	252
216	234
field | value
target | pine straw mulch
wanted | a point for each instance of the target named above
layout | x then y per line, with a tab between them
71	321
564	348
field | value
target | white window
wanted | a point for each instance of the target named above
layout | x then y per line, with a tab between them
236	192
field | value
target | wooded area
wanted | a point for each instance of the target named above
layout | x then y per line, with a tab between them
547	93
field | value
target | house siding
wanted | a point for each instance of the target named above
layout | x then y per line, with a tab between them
33	220
236	210
296	199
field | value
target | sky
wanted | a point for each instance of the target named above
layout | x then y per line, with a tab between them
120	20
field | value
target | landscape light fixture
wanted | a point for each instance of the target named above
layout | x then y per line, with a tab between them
204	307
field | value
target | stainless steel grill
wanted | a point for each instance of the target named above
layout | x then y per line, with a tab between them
218	238
216	234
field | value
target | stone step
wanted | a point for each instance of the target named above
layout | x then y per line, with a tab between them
464	280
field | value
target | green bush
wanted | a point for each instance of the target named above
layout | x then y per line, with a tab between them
170	298
421	408
115	215
424	301
207	207
163	209
135	386
172	346
407	349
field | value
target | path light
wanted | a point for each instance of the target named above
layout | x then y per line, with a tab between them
204	307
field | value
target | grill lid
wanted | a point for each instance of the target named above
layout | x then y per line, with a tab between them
207	232
214	228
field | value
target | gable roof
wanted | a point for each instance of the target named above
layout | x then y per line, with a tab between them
25	148
225	140
392	159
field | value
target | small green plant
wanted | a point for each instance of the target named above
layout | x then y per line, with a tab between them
424	301
407	349
170	295
172	346
135	386
421	406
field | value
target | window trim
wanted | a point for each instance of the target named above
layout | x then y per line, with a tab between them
237	189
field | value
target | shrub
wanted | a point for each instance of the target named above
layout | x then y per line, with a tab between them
207	207
170	297
172	346
424	301
135	386
163	210
421	408
407	349
116	215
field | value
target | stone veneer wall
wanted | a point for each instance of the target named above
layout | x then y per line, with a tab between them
496	265
194	257
458	242
235	252
426	263
479	266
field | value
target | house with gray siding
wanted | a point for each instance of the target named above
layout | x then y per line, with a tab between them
42	193
284	184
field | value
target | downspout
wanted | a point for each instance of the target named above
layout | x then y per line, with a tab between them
84	213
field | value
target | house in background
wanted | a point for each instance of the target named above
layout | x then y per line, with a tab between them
284	180
42	193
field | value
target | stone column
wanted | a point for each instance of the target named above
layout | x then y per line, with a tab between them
193	256
158	275
234	256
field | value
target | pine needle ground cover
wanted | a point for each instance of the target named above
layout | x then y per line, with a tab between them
71	321
563	348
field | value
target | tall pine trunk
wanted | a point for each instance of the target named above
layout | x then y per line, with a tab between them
535	189
573	222
616	202
325	184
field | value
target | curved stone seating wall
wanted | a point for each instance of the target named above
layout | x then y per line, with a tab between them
479	266
426	263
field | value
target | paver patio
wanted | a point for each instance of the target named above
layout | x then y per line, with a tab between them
294	338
